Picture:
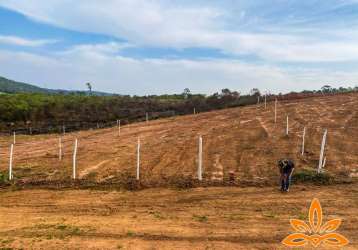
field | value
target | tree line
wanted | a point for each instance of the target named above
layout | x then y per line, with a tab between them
40	112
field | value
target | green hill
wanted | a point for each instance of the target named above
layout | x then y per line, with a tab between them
10	86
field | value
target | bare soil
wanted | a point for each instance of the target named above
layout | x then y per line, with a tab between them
244	142
200	218
42	208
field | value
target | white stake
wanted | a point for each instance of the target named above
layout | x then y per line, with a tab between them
200	159
14	138
320	165
10	162
324	162
138	159
74	160
60	148
194	111
303	141
287	125
64	129
275	110
146	117
258	99
119	127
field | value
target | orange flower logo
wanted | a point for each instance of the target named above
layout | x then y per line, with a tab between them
315	233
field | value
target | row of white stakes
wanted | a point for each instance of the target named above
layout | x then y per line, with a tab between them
322	160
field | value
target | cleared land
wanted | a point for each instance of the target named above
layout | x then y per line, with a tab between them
243	141
201	218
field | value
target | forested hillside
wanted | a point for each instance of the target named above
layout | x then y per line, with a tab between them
10	86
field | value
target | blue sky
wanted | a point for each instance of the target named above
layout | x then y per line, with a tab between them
163	46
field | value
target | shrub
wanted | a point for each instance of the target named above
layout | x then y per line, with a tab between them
311	175
3	178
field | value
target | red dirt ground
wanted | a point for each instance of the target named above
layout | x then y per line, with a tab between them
245	141
41	209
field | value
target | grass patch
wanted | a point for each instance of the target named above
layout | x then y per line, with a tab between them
7	241
51	231
4	243
130	233
200	218
269	215
68	229
3	177
310	175
302	216
156	215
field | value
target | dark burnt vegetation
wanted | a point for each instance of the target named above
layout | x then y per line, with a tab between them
49	113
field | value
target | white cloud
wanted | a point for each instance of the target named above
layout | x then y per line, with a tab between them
145	22
19	41
162	23
109	72
233	29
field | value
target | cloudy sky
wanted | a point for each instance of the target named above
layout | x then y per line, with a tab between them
163	46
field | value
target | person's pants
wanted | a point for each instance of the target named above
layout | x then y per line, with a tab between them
285	182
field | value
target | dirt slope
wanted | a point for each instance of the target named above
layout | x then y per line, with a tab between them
245	141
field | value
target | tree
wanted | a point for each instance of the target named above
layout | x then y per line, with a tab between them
225	92
186	93
255	92
326	89
89	86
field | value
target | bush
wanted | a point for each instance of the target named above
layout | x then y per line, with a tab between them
3	178
310	175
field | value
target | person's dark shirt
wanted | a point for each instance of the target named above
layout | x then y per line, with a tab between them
287	169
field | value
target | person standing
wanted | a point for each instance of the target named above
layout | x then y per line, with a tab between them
286	168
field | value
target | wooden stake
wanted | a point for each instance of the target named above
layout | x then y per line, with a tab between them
138	159
303	141
14	135
146	117
320	164
200	159
10	161
60	148
74	160
194	111
64	129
